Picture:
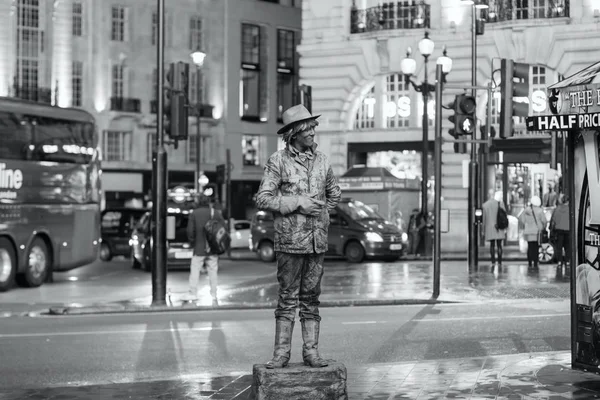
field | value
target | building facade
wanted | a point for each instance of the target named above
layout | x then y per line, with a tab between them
351	54
101	56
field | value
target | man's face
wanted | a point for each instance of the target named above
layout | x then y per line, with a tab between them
306	139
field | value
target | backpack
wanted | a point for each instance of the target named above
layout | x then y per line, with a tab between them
501	218
217	234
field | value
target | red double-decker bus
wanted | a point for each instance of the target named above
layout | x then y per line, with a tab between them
50	191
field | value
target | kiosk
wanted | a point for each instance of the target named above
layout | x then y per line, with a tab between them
575	106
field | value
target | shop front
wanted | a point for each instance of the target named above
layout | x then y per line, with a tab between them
575	103
519	168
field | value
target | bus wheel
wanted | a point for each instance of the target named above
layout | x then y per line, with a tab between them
8	265
38	265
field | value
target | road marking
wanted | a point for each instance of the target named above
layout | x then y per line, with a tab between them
37	334
495	317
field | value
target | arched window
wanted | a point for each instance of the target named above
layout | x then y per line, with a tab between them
397	102
365	115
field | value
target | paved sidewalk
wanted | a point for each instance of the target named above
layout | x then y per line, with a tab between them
545	376
401	282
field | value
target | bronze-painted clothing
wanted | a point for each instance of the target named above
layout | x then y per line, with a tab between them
287	177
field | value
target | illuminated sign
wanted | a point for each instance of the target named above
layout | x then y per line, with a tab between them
538	100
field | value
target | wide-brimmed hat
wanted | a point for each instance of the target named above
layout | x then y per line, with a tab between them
294	115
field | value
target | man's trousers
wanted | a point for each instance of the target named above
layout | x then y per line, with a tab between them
299	277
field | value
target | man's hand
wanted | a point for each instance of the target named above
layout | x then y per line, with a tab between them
310	206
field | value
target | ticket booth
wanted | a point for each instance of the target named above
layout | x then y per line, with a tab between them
575	107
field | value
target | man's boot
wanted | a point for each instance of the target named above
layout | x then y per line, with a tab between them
283	343
310	350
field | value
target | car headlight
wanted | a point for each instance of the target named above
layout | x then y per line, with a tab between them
373	237
404	237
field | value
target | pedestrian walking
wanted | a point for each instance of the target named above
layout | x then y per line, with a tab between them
491	232
531	222
559	229
202	259
417	223
299	187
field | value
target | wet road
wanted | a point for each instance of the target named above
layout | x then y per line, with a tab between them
68	350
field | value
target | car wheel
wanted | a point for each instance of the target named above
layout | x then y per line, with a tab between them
266	251
146	261
38	265
135	264
354	252
546	253
105	253
8	265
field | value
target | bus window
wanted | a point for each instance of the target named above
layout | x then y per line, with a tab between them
62	140
14	136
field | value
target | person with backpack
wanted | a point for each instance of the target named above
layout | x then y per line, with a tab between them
532	222
495	222
300	189
203	258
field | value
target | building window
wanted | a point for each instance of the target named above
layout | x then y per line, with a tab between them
195	41
538	82
77	83
29	49
253	93
117	145
287	79
196	86
118	24
521	9
154	28
250	149
151	139
77	18
118	81
365	115
154	84
397	102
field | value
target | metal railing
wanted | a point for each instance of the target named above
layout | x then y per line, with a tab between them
391	15
125	104
40	95
514	10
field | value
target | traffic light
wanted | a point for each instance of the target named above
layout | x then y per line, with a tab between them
176	107
463	120
514	83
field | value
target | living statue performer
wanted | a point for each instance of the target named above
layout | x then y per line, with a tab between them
299	188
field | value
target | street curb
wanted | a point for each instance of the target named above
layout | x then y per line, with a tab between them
122	309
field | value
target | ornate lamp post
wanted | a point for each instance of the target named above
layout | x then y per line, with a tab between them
408	67
198	59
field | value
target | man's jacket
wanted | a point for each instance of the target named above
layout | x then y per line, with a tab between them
285	179
195	228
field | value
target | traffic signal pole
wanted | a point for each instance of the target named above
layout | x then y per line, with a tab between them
473	168
159	201
437	207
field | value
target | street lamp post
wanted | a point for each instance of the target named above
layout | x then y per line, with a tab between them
408	67
198	59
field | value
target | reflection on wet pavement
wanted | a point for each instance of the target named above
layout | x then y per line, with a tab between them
402	280
522	376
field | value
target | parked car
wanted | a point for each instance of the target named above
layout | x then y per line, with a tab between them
179	251
116	227
356	231
240	232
